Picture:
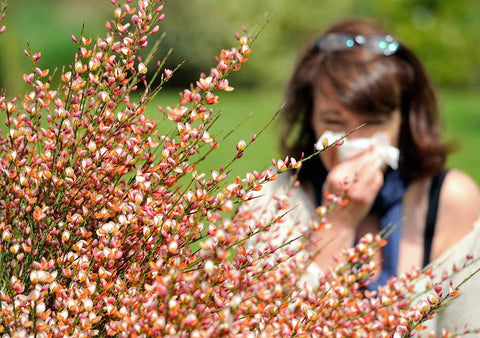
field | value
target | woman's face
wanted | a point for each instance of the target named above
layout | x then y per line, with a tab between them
329	114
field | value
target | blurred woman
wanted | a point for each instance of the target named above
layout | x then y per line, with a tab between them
357	74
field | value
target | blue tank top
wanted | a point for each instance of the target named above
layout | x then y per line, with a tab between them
388	206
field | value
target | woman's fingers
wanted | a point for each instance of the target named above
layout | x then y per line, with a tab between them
359	179
359	171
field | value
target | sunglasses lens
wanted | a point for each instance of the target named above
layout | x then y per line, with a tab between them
385	45
335	42
378	44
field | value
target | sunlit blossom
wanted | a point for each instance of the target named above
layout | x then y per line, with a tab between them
109	228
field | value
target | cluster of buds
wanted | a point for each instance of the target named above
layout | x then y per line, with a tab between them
3	7
108	228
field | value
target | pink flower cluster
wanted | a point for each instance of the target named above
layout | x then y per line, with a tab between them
108	229
3	7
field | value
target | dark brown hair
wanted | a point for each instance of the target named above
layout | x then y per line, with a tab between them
367	83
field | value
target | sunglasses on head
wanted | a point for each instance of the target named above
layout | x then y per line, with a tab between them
378	44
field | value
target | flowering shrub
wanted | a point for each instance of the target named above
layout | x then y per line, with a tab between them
108	229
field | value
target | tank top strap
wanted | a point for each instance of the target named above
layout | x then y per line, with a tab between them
432	212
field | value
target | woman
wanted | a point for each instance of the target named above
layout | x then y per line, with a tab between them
357	74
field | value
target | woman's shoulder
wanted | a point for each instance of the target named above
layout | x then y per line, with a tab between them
458	210
459	198
459	186
285	187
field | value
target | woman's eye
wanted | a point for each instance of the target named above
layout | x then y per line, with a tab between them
334	122
375	122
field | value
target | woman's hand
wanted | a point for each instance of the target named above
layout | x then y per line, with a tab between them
360	178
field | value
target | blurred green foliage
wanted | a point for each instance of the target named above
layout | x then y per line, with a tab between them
46	26
443	33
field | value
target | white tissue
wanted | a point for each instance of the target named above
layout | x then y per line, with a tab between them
387	154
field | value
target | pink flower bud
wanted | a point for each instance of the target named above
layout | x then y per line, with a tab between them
241	145
142	69
167	73
281	165
117	13
173	247
191	320
65	235
11	107
36	57
69	172
92	146
18	287
209	267
78	67
28	78
432	299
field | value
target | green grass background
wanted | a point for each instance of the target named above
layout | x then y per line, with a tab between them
461	113
49	24
460	117
243	113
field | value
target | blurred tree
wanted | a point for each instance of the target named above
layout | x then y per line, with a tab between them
443	33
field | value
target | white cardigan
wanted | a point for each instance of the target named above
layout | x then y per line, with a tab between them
463	310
